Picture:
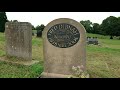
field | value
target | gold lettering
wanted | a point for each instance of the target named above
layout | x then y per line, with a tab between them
54	43
73	42
50	40
60	26
49	34
67	27
55	27
50	31
76	33
70	44
75	39
59	45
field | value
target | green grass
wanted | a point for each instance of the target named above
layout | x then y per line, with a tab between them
97	35
9	70
2	44
35	31
103	61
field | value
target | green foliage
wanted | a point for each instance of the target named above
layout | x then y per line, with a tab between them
9	70
96	28
39	30
3	20
33	28
111	26
88	25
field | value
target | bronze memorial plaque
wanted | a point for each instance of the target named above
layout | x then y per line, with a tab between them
63	35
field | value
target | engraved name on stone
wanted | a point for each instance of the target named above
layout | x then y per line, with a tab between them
63	35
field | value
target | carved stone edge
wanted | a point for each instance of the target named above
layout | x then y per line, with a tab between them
53	75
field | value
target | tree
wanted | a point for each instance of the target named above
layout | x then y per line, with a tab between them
33	28
118	31
39	30
3	20
96	28
88	25
109	26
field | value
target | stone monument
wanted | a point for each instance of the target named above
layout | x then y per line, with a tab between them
19	39
64	46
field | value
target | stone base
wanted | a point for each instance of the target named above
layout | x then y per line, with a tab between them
31	62
53	75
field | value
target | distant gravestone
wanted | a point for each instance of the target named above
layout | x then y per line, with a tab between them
92	40
19	39
64	46
95	41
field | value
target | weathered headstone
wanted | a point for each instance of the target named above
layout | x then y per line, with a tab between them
95	41
92	40
19	39
64	46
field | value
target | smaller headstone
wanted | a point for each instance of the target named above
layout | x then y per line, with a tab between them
19	39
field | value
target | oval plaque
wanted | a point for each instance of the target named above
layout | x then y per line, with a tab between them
63	35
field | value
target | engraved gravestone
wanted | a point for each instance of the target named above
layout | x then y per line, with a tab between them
64	42
19	39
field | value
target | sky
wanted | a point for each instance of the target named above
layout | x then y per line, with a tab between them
38	18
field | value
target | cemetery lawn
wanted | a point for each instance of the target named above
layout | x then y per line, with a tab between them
10	70
102	61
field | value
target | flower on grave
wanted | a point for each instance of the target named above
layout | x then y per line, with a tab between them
79	72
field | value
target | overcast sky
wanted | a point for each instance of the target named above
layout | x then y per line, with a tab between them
38	18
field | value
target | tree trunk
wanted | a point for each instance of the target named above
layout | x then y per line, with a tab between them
111	37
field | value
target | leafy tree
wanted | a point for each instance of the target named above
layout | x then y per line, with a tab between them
88	25
39	30
33	28
3	20
96	28
109	26
118	31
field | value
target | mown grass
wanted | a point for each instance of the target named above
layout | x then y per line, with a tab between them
98	36
103	61
2	44
9	70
